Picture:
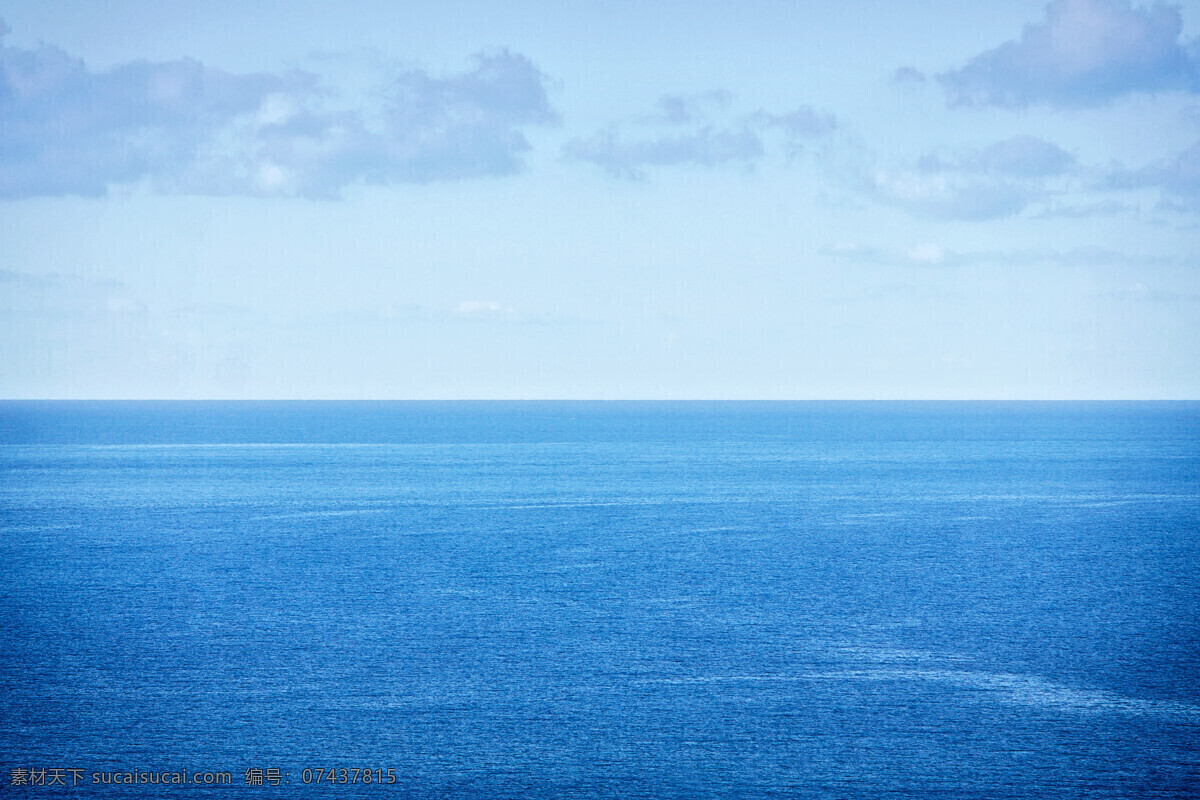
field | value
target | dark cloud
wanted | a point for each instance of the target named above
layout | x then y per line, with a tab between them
1085	52
186	127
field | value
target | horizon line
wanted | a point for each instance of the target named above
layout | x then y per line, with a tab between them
598	400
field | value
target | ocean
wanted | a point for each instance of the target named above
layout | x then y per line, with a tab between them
600	600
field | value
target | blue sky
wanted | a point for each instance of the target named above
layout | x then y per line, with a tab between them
600	200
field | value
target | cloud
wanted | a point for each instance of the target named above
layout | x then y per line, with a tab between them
1176	177
1015	157
924	254
188	128
17	278
626	159
493	312
710	139
466	125
58	280
678	109
908	75
798	126
1024	157
70	131
1083	210
1085	53
477	308
950	195
58	295
125	306
1141	293
489	311
431	129
995	181
931	254
927	253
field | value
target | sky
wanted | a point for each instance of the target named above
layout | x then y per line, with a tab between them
600	200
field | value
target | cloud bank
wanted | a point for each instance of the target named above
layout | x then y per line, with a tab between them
1085	53
185	127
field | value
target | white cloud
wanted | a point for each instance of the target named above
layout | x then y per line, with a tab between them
927	253
489	309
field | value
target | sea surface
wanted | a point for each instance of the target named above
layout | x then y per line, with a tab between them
601	600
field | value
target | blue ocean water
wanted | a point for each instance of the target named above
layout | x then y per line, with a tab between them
560	600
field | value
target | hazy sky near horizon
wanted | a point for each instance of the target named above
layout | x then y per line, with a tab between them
610	199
